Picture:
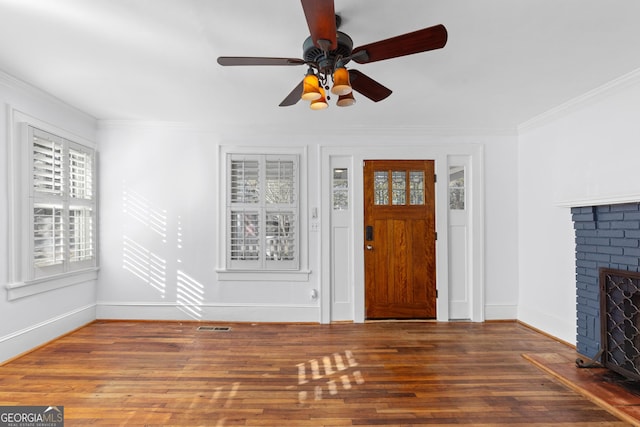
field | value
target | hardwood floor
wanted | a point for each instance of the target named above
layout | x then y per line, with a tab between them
401	374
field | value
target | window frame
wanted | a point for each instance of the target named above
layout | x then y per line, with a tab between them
284	271
25	278
261	208
63	200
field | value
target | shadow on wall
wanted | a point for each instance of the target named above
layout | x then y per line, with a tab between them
150	267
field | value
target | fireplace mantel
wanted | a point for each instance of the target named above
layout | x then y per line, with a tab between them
599	201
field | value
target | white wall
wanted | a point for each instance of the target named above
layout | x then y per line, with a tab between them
501	228
583	153
159	206
30	321
159	235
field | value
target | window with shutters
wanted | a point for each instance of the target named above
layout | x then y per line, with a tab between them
262	212
62	203
52	233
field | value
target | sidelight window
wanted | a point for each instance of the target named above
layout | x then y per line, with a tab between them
340	189
456	188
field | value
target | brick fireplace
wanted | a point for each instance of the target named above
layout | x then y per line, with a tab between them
607	236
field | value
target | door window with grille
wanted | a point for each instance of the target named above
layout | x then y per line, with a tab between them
262	215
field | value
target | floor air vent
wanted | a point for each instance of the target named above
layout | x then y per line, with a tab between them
214	328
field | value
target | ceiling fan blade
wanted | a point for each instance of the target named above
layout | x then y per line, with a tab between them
406	44
294	96
321	19
367	86
257	60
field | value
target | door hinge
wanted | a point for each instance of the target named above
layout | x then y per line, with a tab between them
436	293
435	177
436	234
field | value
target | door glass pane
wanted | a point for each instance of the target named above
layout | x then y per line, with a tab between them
399	187
416	187
456	187
381	187
340	189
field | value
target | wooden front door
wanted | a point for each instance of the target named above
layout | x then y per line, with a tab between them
399	239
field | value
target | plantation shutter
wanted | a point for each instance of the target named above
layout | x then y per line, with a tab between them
80	174
280	210
48	235
81	237
47	164
262	212
62	203
48	207
81	207
244	181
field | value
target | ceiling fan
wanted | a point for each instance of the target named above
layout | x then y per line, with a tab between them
327	52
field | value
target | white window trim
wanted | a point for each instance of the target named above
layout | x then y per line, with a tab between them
300	274
21	279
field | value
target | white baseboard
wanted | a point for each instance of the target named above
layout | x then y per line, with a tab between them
500	312
240	312
561	328
22	341
220	313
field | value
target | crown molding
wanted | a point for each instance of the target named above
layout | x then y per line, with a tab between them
588	98
15	83
235	131
147	124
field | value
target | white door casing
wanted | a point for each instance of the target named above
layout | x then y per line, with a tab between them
342	274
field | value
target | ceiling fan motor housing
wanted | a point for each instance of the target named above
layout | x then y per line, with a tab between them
326	62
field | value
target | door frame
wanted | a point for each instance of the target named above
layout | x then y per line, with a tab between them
400	258
420	151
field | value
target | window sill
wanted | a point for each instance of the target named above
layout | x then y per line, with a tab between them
45	284
264	275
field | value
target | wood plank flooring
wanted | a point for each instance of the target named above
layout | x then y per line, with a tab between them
620	395
372	374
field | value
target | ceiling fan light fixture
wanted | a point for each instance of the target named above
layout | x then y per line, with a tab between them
327	51
346	100
341	84
311	87
320	103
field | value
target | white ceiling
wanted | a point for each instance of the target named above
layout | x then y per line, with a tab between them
506	61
